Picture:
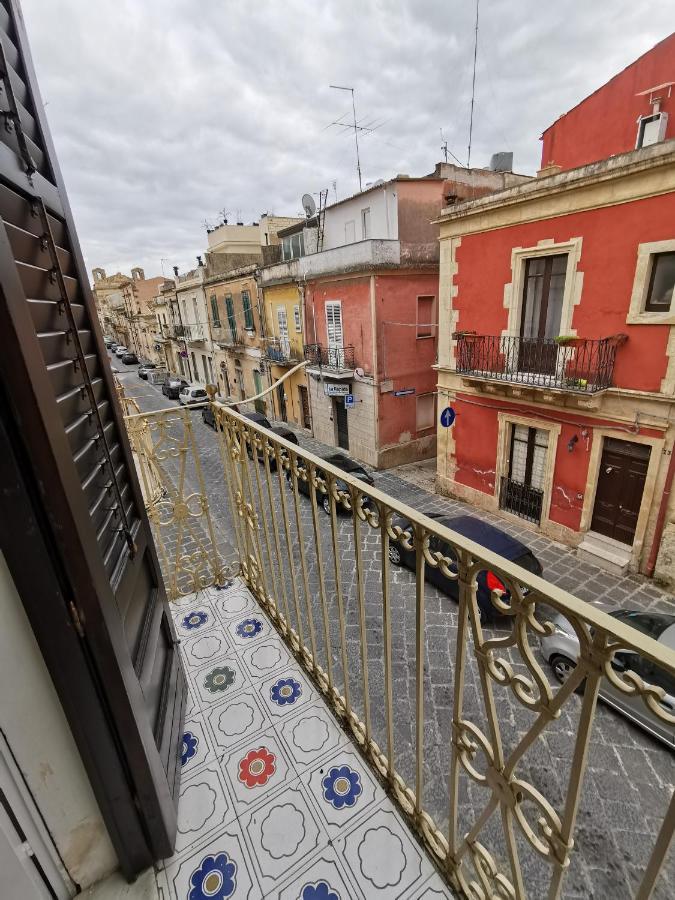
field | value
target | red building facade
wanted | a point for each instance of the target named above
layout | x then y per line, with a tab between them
557	332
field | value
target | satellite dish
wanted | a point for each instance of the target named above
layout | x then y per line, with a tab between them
308	205
359	373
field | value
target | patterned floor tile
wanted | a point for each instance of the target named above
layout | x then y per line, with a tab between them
382	857
220	678
205	646
234	603
321	879
285	692
220	868
204	807
311	735
197	748
282	833
248	629
233	720
256	768
265	657
342	789
198	616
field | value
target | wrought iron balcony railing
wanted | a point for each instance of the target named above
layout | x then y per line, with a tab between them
192	332
338	358
522	499
227	335
567	364
466	779
281	351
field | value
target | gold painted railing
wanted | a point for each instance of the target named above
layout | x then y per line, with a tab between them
340	613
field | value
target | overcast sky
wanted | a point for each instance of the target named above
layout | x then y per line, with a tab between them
165	112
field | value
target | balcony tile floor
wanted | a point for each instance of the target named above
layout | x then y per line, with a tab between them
275	800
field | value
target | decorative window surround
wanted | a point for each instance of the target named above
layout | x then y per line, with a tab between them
506	420
574	281
637	315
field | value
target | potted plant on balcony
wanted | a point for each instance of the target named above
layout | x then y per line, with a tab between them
568	340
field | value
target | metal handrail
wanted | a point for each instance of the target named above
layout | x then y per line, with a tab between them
266	518
340	358
567	363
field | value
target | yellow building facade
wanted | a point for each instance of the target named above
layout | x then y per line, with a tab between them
283	347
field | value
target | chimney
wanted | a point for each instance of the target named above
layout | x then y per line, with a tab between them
199	261
175	271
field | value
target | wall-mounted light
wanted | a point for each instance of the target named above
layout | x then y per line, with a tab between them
572	441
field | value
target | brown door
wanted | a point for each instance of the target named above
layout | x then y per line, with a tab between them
71	462
341	422
542	311
304	406
621	482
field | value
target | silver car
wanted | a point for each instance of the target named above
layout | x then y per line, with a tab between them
561	650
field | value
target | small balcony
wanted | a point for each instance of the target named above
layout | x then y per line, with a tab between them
227	336
337	362
571	365
451	762
191	332
281	352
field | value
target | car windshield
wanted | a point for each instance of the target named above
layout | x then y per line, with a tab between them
653	625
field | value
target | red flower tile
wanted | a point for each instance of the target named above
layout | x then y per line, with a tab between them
257	767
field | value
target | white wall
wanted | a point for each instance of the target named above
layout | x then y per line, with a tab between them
382	201
36	729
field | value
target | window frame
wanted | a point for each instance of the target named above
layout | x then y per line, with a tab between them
431	325
297	318
366	231
658	308
637	312
249	323
215	312
425	396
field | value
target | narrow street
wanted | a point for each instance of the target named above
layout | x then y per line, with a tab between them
630	775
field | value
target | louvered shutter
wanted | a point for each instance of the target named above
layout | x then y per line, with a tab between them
62	401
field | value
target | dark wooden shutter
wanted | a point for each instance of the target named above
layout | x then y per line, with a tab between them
61	406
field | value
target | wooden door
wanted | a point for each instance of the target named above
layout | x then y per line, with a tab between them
341	422
68	477
621	481
304	406
543	290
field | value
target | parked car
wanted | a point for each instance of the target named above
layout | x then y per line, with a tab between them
144	368
108	341
342	462
283	432
482	533
113	347
173	385
129	359
192	393
561	650
120	350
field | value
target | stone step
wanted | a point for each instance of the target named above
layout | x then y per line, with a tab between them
608	554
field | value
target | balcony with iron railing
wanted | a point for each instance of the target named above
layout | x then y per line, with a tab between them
568	364
226	335
281	351
190	332
454	717
336	360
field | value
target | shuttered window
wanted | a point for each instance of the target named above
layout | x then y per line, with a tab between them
334	324
215	314
248	310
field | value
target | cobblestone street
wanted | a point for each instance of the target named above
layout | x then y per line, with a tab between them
630	776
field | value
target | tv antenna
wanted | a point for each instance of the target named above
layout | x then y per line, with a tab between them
338	87
444	146
473	88
308	205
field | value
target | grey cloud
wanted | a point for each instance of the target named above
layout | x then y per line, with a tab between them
166	111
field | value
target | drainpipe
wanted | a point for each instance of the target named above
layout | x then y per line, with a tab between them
661	517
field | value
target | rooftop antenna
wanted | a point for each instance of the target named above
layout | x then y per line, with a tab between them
338	87
444	146
473	88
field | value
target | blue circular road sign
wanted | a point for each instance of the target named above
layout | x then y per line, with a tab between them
448	417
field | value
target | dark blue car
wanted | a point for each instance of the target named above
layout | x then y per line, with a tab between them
482	533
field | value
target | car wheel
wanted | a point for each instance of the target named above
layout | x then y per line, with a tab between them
325	503
562	667
394	555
